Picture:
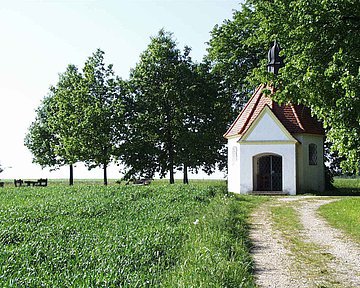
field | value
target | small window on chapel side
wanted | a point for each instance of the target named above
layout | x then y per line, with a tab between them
312	154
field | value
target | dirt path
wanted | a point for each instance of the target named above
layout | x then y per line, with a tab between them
277	266
346	254
271	259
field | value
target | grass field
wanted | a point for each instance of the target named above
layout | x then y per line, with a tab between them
344	187
345	214
124	236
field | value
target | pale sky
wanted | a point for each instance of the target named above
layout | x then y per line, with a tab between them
40	38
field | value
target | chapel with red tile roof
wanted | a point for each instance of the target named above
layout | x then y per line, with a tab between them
295	118
274	148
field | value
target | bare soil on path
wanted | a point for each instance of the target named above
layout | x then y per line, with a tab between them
277	265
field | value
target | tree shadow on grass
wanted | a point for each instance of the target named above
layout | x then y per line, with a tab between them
340	192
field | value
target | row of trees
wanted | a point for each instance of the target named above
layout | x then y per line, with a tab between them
172	112
169	115
80	118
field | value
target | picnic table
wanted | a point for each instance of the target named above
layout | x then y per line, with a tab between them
40	182
30	183
18	182
143	181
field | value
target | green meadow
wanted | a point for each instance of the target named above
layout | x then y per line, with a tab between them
125	236
345	214
159	235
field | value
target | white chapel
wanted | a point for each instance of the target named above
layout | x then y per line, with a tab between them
275	148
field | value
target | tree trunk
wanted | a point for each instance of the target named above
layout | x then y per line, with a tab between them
170	143
71	179
105	174
171	168
185	179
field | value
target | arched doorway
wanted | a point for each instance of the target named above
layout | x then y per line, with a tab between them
268	173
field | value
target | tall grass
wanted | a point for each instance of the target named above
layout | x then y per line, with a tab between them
124	236
216	253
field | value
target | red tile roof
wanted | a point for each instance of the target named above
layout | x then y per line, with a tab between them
295	118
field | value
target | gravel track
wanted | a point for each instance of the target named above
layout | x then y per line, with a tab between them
274	264
271	259
346	254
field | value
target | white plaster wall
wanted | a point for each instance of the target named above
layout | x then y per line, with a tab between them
233	165
267	129
310	177
287	151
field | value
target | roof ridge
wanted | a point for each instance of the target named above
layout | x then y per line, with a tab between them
251	113
294	117
297	117
242	111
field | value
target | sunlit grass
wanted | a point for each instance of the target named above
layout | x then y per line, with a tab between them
345	215
347	183
124	236
115	182
224	229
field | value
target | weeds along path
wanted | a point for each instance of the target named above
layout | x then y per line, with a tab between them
294	247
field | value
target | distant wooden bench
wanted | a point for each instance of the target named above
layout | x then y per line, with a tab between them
40	182
30	183
144	181
18	182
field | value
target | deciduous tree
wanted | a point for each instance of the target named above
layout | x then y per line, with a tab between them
155	97
102	113
321	44
175	116
81	119
205	118
53	136
41	140
233	56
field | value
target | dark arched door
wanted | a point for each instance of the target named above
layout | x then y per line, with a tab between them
269	173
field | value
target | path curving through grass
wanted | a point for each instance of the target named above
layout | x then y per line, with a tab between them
346	254
295	247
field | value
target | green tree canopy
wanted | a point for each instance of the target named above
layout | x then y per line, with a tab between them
205	118
41	140
156	100
53	136
233	56
174	109
321	44
81	119
102	113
